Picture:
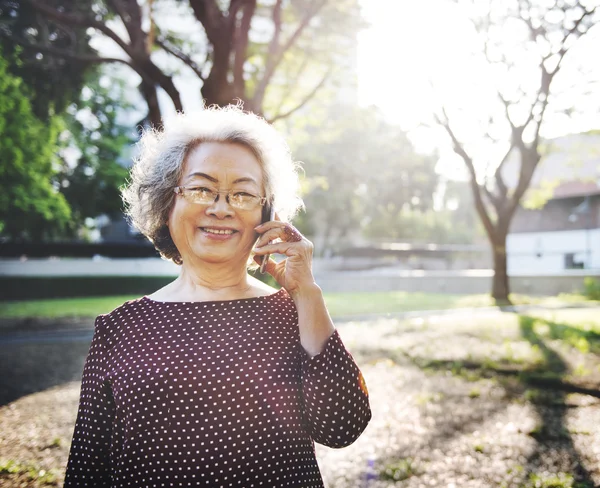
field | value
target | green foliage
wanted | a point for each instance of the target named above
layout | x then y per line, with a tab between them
398	471
92	184
559	480
474	393
421	226
53	81
56	442
360	170
427	398
57	287
31	471
31	208
591	288
584	336
536	198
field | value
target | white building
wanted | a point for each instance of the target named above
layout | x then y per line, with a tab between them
565	233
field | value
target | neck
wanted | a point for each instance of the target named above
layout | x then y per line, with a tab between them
213	281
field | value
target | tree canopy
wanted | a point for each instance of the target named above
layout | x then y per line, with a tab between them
362	172
91	182
241	50
31	207
29	41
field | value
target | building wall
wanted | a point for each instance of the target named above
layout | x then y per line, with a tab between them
546	252
456	283
562	214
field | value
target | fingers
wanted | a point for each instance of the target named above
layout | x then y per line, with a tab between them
282	238
276	229
268	236
278	247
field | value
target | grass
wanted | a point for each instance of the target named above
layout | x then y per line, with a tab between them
61	307
559	480
339	304
28	471
531	355
399	470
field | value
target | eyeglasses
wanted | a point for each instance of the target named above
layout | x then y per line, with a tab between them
205	196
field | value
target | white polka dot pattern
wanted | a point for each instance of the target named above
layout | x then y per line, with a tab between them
215	394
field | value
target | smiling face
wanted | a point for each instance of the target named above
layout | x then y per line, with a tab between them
217	232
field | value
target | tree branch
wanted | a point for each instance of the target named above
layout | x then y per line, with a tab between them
259	93
275	53
475	187
210	16
241	44
498	173
547	76
164	44
79	20
287	90
131	16
83	58
506	105
305	100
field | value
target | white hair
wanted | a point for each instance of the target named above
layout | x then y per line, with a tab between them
149	195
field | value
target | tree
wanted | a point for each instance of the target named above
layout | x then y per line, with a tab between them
31	208
91	184
359	170
27	39
524	44
245	44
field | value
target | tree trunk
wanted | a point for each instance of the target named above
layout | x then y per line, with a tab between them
500	288
149	93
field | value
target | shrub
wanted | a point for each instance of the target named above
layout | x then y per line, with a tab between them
591	288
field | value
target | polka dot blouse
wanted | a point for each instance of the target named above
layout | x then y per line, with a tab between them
218	394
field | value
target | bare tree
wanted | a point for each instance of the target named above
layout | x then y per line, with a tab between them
515	37
230	65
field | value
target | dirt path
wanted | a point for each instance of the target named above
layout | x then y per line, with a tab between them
449	407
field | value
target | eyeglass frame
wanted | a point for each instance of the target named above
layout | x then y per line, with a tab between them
181	190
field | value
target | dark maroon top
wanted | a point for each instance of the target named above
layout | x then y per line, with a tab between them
214	394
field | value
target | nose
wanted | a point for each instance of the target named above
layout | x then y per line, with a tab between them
220	208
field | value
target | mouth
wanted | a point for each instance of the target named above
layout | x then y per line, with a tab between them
217	231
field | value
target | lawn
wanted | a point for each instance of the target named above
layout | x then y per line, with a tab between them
339	304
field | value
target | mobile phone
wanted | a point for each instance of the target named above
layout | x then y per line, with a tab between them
268	214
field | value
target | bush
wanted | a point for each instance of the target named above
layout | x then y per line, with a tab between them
591	288
45	287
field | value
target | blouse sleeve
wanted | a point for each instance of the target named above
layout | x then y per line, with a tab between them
336	400
88	463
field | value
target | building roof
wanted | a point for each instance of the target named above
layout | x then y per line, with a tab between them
571	165
570	189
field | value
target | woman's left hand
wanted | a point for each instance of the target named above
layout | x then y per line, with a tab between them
295	272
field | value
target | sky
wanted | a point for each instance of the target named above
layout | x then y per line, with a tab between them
409	43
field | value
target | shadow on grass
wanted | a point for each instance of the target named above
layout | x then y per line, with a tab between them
552	427
544	384
584	340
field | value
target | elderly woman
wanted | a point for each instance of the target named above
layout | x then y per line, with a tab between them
216	379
